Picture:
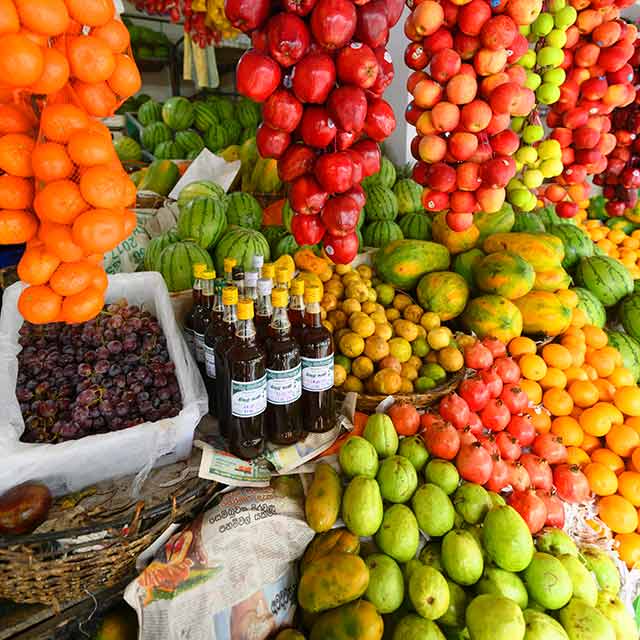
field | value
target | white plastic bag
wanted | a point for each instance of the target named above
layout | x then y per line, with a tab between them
70	466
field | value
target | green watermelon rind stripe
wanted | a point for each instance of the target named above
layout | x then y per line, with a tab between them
587	274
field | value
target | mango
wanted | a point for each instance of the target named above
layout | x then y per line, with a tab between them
386	583
414	449
556	542
331	581
443	473
584	622
503	583
397	479
496	499
431	555
507	539
328	542
322	505
547	581
584	584
472	502
616	613
462	557
458	601
362	508
602	566
541	250
398	535
492	617
408	568
358	458
429	592
381	433
413	627
354	621
540	626
433	509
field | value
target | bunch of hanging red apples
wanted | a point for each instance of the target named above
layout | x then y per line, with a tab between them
320	67
465	89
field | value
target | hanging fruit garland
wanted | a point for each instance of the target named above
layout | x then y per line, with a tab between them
320	68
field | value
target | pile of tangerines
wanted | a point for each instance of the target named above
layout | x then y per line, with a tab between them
591	402
63	191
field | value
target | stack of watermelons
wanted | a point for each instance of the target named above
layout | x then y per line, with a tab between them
210	227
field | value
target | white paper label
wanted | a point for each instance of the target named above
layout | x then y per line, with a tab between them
284	387
198	343
317	373
249	399
210	361
188	336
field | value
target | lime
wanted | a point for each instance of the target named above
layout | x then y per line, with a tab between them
343	361
423	384
433	371
420	347
385	294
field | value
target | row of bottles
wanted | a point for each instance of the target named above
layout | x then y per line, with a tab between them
263	352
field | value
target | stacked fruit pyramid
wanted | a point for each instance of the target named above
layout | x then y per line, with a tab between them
63	189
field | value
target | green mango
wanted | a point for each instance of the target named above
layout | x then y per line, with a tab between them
362	509
398	535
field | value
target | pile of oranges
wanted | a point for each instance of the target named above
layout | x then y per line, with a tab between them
63	190
617	244
592	403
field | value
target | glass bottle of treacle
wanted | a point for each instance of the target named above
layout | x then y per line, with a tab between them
196	292
257	262
264	308
222	344
282	278
296	308
318	402
251	286
229	263
284	377
248	392
217	328
237	276
202	317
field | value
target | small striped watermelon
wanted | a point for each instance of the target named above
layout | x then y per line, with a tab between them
176	264
155	133
156	247
233	131
223	108
202	220
127	149
273	234
629	314
243	210
409	195
199	188
148	112
241	244
592	308
416	226
528	222
204	116
605	277
381	233
286	245
500	221
193	154
381	204
246	134
189	140
387	173
168	151
629	349
577	244
248	113
215	137
177	113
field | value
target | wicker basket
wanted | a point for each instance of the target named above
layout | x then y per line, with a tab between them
91	540
368	403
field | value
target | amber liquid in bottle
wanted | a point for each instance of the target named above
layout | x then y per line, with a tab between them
264	309
248	391
223	343
318	401
202	318
296	309
217	329
196	292
284	377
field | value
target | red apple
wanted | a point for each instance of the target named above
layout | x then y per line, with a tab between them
461	89
445	64
271	143
307	196
317	128
497	172
357	193
313	78
499	122
476	116
385	72
472	16
299	7
282	111
487	61
435	200
371	156
585	137
505	143
504	98
347	107
357	64
441	177
415	56
340	215
380	121
247	15
394	10
566	209
297	160
372	26
333	22
334	171
462	201
257	76
259	41
484	151
341	249
462	145
459	221
524	12
441	39
432	148
517	48
288	38
427	93
445	116
419	171
498	32
308	229
428	17
468	178
344	139
490	199
466	45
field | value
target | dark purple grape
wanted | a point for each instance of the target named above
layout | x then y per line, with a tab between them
102	366
47	409
115	370
23	394
115	347
84	370
143	396
121	409
102	353
145	407
87	397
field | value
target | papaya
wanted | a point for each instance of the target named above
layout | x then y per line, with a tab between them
322	504
331	581
354	621
493	316
541	250
465	265
504	273
160	177
543	313
552	280
306	260
443	292
454	241
336	540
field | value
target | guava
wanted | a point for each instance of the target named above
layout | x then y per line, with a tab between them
584	584
492	617
547	581
506	539
381	433
414	449
503	583
431	555
458	601
462	557
386	583
540	626
556	542
429	592
358	458
397	479
581	621
603	567
398	536
496	499
413	627
472	502
434	512
616	613
442	473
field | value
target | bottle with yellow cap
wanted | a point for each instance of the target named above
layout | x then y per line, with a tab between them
202	316
247	361
263	308
196	292
218	327
282	278
284	377
229	263
296	308
316	344
223	341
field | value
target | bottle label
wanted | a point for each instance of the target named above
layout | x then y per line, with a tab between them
284	387
249	399
198	346
188	336
210	361
317	373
